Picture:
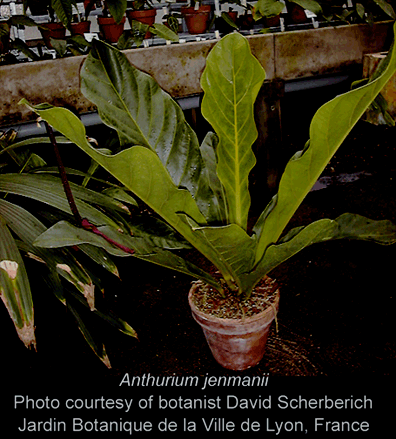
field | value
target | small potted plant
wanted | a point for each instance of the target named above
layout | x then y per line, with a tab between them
82	25
271	10
202	191
112	21
196	17
54	29
142	11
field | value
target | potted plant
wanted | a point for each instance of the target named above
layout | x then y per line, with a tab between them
112	21
142	11
83	24
270	9
202	191
196	17
227	21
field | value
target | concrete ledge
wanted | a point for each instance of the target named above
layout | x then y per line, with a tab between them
178	67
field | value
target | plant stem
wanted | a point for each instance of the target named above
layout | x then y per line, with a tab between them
62	172
84	223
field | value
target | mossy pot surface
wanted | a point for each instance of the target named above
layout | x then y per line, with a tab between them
237	341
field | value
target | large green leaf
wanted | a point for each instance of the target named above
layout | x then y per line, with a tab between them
231	81
329	127
386	7
268	8
64	10
224	241
117	8
208	151
14	287
143	114
64	234
28	228
346	226
49	190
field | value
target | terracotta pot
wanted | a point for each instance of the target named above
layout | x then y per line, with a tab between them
111	30
5	42
81	28
86	3
236	344
196	20
146	16
53	30
222	26
272	21
297	14
246	21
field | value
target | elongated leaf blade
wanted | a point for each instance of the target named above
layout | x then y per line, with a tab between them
231	81
64	234
117	8
268	8
329	127
110	318
346	226
63	10
131	102
96	346
49	190
14	287
387	8
224	240
208	151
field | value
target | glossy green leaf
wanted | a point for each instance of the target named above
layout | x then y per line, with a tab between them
117	8
64	10
231	81
329	127
49	190
346	226
64	234
268	8
225	240
163	31
218	207
131	102
14	287
386	7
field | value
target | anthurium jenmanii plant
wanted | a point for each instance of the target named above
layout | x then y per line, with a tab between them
202	191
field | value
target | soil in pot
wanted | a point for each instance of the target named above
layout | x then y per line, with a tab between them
53	30
236	331
196	19
80	28
110	29
146	16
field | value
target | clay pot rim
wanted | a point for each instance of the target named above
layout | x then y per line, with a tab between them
142	13
203	9
52	25
110	20
227	322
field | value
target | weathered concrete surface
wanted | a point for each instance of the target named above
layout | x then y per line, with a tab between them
178	67
328	50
